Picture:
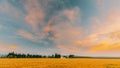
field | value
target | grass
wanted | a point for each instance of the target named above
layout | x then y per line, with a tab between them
60	63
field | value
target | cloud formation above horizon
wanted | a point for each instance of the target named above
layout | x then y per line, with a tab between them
78	27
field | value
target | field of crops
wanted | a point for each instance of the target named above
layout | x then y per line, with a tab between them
60	63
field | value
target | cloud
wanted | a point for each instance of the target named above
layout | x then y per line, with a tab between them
26	35
104	29
72	14
106	24
35	20
68	49
105	47
109	44
9	48
9	11
51	21
35	14
12	47
108	13
114	36
67	29
90	40
2	26
61	28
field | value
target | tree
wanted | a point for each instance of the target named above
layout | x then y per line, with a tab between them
57	55
71	56
11	55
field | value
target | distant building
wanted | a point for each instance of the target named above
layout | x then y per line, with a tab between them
63	57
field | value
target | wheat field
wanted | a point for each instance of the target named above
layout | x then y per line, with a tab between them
59	63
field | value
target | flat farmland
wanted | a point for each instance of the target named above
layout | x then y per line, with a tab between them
59	63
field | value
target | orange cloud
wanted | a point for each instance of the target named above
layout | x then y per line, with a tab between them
47	29
105	47
114	36
106	26
106	29
78	43
109	43
89	41
12	47
9	48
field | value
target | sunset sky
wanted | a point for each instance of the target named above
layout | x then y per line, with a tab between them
80	27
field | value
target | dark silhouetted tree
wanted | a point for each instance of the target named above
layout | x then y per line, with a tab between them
11	55
57	55
71	56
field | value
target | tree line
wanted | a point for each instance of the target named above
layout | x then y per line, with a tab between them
18	55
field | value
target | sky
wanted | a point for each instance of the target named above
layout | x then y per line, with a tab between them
79	27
